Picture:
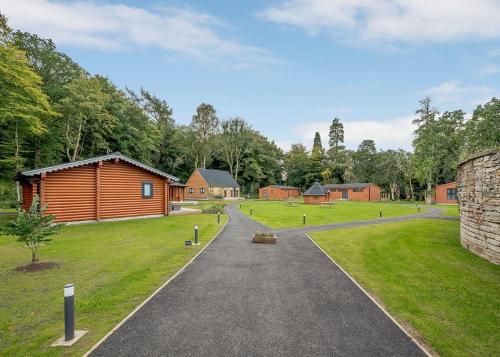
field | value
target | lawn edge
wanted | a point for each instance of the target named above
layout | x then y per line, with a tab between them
420	345
117	326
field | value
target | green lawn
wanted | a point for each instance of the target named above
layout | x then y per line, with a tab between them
449	210
114	266
10	210
276	214
424	277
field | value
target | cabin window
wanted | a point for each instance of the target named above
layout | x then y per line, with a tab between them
451	193
147	189
202	190
357	190
191	190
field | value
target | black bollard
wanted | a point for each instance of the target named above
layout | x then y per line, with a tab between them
304	219
69	312
251	211
218	217
196	235
380	214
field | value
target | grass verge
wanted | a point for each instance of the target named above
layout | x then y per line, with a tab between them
277	214
424	277
114	265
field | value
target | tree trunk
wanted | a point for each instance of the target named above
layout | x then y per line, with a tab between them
33	255
18	191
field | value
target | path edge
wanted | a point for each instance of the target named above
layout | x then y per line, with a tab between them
426	352
117	326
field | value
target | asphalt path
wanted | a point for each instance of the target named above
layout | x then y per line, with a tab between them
243	299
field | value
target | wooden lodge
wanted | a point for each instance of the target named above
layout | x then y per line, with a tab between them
446	193
278	192
106	187
353	191
204	184
177	192
317	193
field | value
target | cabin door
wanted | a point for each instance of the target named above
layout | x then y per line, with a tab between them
345	195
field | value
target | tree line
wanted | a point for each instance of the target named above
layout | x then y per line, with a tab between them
52	111
441	140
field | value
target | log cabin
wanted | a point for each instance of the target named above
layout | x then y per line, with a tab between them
100	188
278	192
446	194
353	191
204	184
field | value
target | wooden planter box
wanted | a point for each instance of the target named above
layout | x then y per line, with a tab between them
265	240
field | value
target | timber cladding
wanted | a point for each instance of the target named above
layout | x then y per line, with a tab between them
446	193
99	190
206	183
197	187
276	192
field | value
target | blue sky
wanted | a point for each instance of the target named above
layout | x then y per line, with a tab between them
287	67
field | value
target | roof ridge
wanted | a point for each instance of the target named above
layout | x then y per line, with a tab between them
110	156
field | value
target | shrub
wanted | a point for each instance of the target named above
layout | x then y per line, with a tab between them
264	234
33	228
216	208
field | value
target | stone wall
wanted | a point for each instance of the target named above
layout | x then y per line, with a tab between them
478	187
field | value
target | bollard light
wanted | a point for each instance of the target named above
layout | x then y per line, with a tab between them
69	312
70	335
418	208
304	219
380	213
196	235
251	211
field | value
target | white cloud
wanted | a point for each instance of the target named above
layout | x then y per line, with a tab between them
375	21
489	68
112	27
453	91
388	134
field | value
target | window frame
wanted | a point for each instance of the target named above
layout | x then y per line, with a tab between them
143	191
451	194
202	189
190	190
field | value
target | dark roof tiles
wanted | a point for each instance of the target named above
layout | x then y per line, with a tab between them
315	190
218	178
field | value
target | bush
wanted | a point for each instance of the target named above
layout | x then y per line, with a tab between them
216	208
264	234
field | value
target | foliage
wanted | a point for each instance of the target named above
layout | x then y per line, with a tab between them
235	140
33	228
336	134
204	126
53	111
482	132
264	234
214	208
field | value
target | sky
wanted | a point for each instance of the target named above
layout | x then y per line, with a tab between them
286	66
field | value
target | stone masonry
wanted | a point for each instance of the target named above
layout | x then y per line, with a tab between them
478	187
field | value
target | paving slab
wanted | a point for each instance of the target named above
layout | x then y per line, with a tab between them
238	298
